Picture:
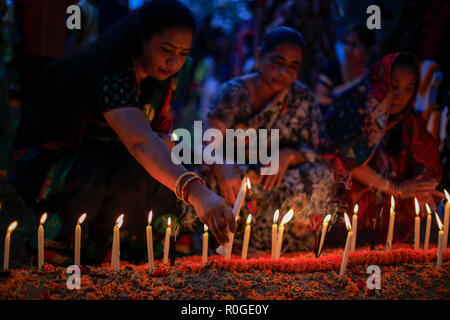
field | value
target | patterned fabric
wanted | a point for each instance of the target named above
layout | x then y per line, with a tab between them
307	188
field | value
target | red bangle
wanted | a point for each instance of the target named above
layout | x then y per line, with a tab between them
184	191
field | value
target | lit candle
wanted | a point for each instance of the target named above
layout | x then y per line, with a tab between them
440	242
167	242
246	237
324	232
205	244
228	247
41	241
275	233
427	232
391	226
446	219
115	256
148	229
354	226
286	219
347	245
11	227
78	239
417	226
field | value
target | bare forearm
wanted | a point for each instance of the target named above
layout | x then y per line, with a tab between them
369	177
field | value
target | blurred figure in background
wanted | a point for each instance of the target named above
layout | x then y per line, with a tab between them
336	76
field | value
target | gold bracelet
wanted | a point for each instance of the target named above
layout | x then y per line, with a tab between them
185	185
189	173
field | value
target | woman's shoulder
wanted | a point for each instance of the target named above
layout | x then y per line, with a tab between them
301	90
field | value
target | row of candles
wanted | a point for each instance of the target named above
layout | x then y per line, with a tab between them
277	235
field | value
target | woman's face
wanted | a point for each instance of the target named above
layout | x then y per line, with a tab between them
279	68
165	53
402	88
354	49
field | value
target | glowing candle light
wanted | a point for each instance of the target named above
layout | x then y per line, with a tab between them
246	237
275	233
205	244
115	255
446	219
391	226
288	216
324	232
440	242
354	226
41	240
167	242
347	245
417	226
78	239
228	247
11	228
427	232
149	235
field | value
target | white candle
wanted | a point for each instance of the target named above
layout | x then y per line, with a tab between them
391	226
347	246
440	242
446	219
228	247
148	229
78	239
354	226
288	216
246	237
167	242
115	255
275	233
324	232
41	241
11	227
427	232
417	226
205	244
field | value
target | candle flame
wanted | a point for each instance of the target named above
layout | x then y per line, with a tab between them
275	216
150	216
428	208
249	185
356	209
249	218
438	221
168	222
287	217
174	136
416	203
43	218
347	222
119	221
82	218
327	218
12	226
205	227
447	196
392	203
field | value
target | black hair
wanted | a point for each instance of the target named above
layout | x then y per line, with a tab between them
406	60
365	35
68	87
281	35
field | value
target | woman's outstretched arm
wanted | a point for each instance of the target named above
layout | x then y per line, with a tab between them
154	155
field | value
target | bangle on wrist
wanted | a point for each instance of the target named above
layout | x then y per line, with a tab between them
185	190
177	183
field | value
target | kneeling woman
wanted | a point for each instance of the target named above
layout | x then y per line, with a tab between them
272	98
384	149
89	142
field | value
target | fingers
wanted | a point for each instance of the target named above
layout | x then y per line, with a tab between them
437	193
230	219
